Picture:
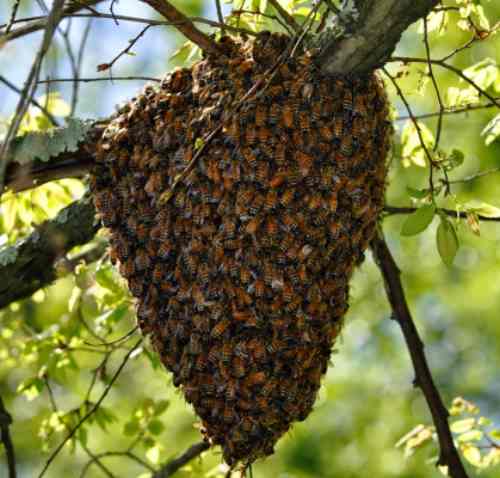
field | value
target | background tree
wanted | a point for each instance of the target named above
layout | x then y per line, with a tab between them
74	370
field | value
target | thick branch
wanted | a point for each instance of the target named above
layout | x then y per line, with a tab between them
448	455
172	466
184	25
29	265
5	422
375	36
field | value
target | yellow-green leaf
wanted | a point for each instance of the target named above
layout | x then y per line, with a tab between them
462	426
418	221
447	241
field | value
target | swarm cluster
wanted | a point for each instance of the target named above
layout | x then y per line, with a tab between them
241	274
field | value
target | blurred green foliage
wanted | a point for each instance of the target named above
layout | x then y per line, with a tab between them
60	349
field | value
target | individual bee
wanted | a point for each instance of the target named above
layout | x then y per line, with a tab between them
249	156
326	133
304	121
136	286
264	135
219	328
238	367
191	262
304	161
250	135
262	173
260	114
255	378
274	113
272	226
195	346
230	390
207	384
226	352
271	200
259	288
288	115
257	203
253	225
289	222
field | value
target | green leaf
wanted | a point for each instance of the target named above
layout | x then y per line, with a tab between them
447	241
462	426
155	427
483	73
412	148
418	221
417	193
160	406
131	428
55	104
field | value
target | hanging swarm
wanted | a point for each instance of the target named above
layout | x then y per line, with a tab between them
241	275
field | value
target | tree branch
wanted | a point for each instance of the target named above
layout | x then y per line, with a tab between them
448	455
38	25
5	422
375	36
172	466
184	25
29	265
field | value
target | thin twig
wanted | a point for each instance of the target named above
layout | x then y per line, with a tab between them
5	422
447	66
79	61
436	86
220	16
88	80
91	411
34	102
185	26
13	16
415	123
108	66
448	455
29	86
171	467
451	111
285	15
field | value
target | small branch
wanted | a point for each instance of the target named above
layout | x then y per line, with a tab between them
107	66
41	24
457	71
451	111
5	422
91	411
13	16
29	265
448	455
290	21
171	467
220	16
393	210
185	26
88	80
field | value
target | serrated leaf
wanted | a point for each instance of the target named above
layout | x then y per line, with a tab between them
482	208
418	221
447	241
44	145
462	426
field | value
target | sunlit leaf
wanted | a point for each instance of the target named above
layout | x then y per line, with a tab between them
482	208
472	454
462	426
492	130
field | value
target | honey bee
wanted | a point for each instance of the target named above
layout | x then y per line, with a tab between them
260	115
195	346
271	199
288	115
226	352
326	133
207	384
135	285
249	156
272	226
219	328
289	222
238	367
250	135
230	390
164	250
201	363
264	135
201	323
245	66
304	121
257	203
262	173
259	288
191	262
305	162
346	146
348	101
242	297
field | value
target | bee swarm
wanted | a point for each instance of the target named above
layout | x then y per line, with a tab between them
241	277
